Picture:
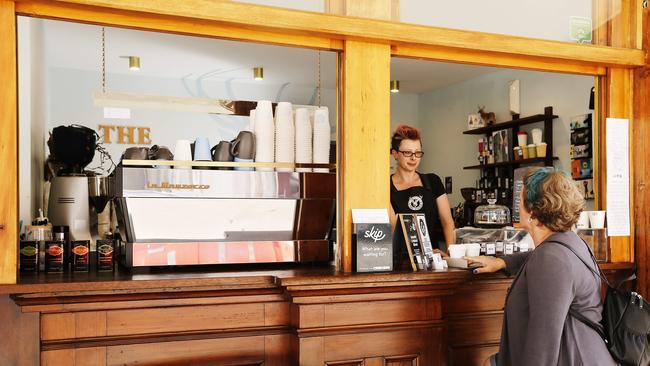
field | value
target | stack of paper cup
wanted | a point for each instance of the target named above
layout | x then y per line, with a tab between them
183	152
303	139
251	122
321	153
264	134
284	135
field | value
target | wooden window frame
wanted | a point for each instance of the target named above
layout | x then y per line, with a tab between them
377	38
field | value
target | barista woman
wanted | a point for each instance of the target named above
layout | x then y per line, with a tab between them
412	192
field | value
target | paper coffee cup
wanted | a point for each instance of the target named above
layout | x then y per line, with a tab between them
583	220
537	135
541	150
473	250
532	151
597	219
522	139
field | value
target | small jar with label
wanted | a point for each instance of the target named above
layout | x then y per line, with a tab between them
28	256
79	255
54	254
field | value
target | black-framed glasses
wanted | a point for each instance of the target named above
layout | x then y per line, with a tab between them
408	154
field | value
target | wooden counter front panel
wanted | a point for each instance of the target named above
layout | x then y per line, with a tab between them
376	312
394	348
269	350
474	315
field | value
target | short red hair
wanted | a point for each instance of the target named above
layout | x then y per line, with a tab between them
404	132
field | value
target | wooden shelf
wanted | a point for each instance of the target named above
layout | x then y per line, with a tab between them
510	124
224	164
509	163
616	266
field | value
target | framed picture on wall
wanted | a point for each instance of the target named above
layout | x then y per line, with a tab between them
586	188
502	142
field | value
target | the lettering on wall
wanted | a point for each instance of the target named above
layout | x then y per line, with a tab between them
130	135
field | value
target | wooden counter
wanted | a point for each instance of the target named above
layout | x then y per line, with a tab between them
267	316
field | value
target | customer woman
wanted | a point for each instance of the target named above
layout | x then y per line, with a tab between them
537	328
412	192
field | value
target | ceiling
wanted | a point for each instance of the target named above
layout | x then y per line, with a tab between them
78	46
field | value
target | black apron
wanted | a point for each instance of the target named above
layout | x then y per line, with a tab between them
414	200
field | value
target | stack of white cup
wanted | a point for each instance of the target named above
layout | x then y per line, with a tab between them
284	135
303	139
251	122
321	149
264	134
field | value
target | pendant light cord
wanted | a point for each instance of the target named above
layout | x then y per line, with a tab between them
319	82
103	61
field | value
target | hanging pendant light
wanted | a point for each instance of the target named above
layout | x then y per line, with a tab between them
394	86
258	73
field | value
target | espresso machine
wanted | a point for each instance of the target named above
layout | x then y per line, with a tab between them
75	198
180	217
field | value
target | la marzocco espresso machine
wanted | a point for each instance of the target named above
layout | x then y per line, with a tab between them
170	217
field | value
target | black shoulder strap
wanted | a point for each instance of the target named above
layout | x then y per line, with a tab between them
591	324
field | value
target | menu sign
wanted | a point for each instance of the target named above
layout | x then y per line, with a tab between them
415	247
517	188
374	247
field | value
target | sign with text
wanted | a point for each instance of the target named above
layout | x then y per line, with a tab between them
374	247
127	135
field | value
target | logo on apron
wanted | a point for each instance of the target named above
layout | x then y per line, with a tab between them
415	203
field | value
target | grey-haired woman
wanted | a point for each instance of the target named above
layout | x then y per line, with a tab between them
537	327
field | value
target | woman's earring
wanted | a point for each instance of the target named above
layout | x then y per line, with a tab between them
530	219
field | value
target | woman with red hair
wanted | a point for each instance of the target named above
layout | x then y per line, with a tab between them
413	192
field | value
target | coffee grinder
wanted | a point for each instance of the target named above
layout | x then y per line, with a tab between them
75	198
470	205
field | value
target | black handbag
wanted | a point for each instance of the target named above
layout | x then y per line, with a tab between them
625	324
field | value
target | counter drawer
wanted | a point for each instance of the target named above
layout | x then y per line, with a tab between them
89	324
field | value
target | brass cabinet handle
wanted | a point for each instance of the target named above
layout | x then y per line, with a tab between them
2	226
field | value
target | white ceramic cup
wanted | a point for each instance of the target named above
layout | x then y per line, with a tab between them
597	219
473	250
583	220
457	250
537	135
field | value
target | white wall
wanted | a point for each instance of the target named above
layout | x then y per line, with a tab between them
443	117
404	109
32	100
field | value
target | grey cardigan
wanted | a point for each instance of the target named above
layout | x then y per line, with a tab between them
537	329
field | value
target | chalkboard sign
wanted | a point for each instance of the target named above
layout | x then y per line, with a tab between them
373	248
